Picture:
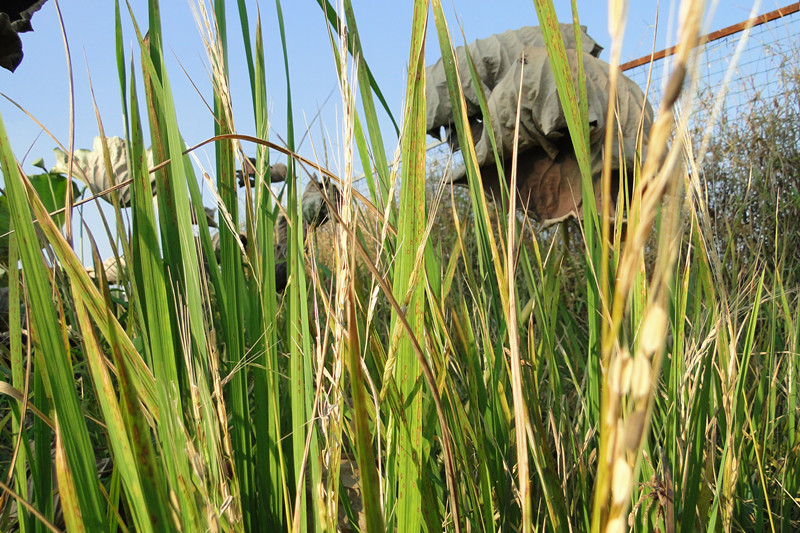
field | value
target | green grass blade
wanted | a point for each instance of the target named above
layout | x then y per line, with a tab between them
367	85
411	216
300	373
266	408
19	382
355	47
560	65
232	279
51	356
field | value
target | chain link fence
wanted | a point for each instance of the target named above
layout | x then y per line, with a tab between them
747	93
748	109
741	69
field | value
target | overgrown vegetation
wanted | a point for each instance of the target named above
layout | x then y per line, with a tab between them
752	172
471	373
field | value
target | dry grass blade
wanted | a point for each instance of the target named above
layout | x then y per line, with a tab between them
521	421
31	509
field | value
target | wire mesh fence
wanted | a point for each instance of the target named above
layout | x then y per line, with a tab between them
740	70
747	111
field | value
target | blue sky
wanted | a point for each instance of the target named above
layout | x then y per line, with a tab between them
40	84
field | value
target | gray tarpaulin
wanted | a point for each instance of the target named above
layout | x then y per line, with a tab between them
89	166
548	175
15	18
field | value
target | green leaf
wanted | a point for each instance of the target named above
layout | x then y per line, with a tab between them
52	190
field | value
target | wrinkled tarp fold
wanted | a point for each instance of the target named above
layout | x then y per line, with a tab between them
15	18
548	174
89	167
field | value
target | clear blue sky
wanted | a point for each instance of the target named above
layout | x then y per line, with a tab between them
40	83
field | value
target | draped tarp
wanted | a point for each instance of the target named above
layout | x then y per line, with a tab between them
548	175
89	166
15	18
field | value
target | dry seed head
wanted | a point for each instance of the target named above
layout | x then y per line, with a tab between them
619	373
615	433
640	378
690	15
634	427
627	372
621	481
618	449
616	525
614	374
617	11
654	330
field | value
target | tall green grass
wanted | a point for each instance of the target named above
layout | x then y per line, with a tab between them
485	378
